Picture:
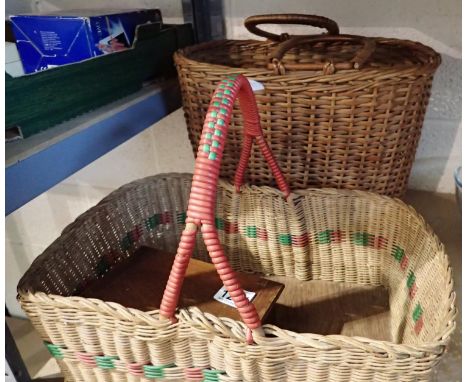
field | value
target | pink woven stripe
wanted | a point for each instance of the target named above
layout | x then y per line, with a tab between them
87	359
379	242
194	374
413	290
262	234
136	369
301	240
419	325
404	263
337	237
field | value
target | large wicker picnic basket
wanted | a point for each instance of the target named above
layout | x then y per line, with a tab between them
323	234
337	110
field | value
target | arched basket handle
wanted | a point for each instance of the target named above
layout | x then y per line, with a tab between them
368	46
252	22
202	200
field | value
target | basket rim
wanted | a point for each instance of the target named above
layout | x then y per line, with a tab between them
227	327
432	63
236	329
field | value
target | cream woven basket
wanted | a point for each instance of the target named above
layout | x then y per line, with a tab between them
381	241
334	235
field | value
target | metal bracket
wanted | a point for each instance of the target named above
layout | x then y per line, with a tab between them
15	370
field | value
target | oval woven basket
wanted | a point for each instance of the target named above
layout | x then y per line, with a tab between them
381	241
337	111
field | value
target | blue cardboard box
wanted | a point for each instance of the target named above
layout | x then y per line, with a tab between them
49	40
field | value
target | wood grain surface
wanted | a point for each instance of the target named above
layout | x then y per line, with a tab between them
139	283
324	307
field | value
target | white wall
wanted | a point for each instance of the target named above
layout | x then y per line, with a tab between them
165	147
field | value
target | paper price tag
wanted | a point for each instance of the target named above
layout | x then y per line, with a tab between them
255	85
223	296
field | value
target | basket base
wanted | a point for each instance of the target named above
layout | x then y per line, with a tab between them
139	283
324	307
315	306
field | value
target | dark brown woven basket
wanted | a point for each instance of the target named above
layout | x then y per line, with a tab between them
337	110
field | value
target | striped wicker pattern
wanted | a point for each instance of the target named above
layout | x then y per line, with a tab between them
327	123
341	236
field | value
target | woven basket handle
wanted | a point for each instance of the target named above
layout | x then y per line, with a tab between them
359	59
295	19
202	201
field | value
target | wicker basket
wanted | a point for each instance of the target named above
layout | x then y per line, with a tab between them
338	111
335	235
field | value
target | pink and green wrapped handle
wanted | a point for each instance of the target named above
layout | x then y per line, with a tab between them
202	201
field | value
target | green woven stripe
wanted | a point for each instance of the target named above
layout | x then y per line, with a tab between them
228	81
417	312
106	362
181	216
212	375
324	237
411	279
285	239
152	371
398	253
251	232
219	223
102	266
54	350
126	243
151	222
361	238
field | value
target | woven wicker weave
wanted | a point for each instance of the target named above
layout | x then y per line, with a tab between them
328	123
341	236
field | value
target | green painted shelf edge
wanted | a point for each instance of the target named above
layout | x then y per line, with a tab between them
42	100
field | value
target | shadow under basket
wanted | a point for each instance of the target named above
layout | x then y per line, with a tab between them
327	236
